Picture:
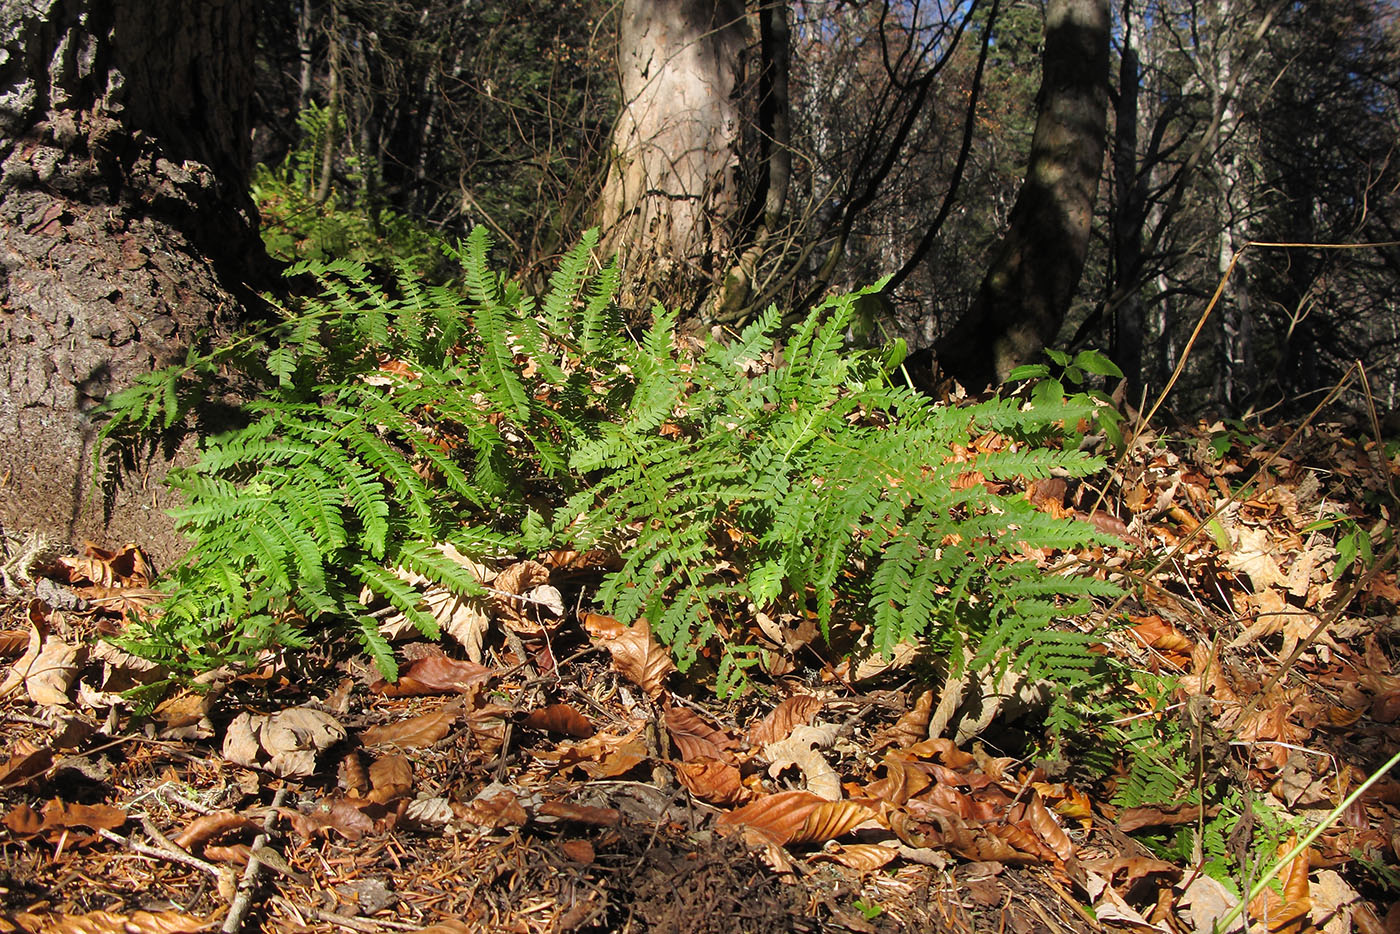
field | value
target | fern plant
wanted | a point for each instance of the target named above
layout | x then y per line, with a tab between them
777	469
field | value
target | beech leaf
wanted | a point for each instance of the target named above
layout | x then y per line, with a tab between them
635	654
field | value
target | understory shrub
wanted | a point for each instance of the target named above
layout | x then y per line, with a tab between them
778	471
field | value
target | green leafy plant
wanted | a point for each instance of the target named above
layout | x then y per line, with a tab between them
1234	434
296	225
778	470
1355	547
1066	378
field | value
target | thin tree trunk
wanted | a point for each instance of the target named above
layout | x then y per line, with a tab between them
670	189
328	139
1129	215
775	150
1034	272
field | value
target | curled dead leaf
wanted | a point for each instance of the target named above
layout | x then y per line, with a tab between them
341	815
1048	828
911	727
802	749
561	720
285	743
695	738
712	780
436	674
496	810
390	777
59	817
24	763
636	655
48	667
580	851
862	857
524	599
109	922
579	813
793	817
210	827
795	711
423	730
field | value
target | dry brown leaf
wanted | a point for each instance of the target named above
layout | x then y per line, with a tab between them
862	857
128	567
447	927
423	730
802	749
390	777
1337	907
695	738
524	600
1132	868
903	779
496	811
797	710
1253	555
1206	901
436	674
107	922
712	780
911	727
345	817
832	819
579	813
26	762
776	818
60	817
636	655
1131	819
605	755
871	666
981	844
285	743
209	827
185	715
1048	828
1291	912
351	775
561	720
580	851
1156	633
13	642
462	617
48	667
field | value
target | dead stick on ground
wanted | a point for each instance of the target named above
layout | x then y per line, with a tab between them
174	855
368	925
243	901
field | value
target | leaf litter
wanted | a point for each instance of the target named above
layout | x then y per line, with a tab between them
587	785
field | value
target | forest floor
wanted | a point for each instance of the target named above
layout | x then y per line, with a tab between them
571	781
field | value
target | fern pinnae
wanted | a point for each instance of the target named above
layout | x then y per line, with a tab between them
600	320
400	596
566	283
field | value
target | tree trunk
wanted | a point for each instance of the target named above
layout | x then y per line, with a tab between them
1129	215
770	196
671	187
126	233
1034	271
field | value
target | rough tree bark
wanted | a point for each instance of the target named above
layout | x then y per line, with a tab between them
1034	270
670	187
126	233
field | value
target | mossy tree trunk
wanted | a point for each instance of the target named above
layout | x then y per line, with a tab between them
1034	271
126	233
